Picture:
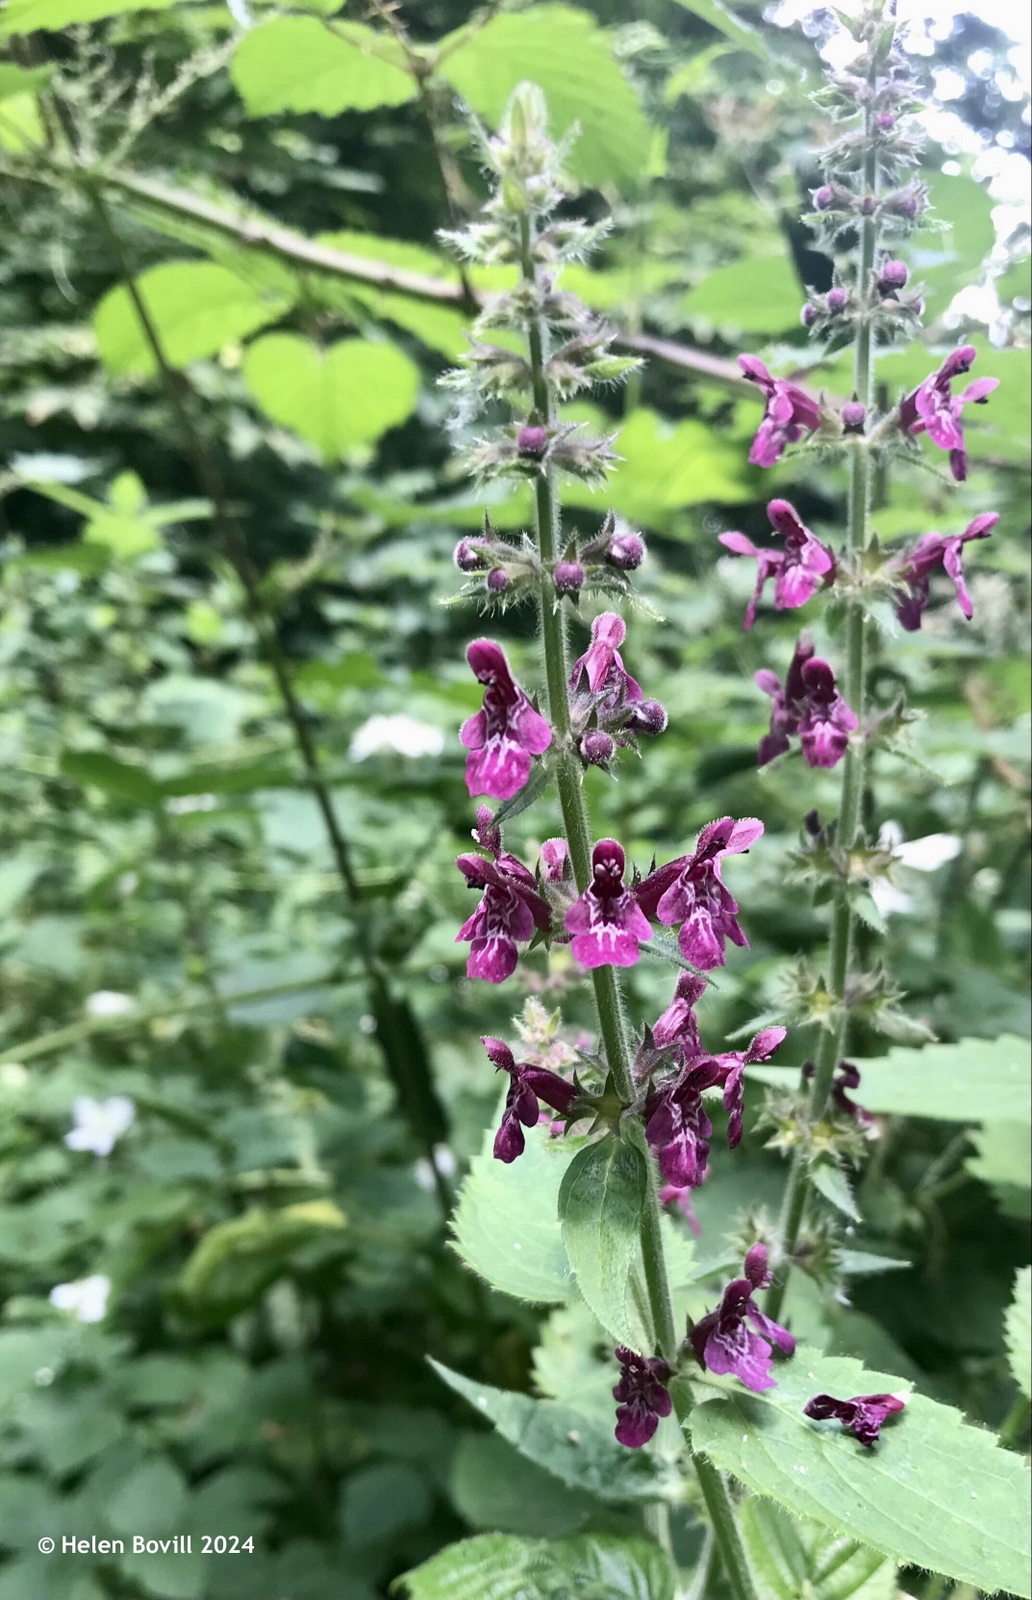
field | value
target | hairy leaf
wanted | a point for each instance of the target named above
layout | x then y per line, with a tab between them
788	1553
832	1183
934	1491
304	64
26	16
600	1207
499	1567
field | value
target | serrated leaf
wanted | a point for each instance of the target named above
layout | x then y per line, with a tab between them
302	64
1019	1332
563	50
579	1450
600	1207
497	1566
864	1263
346	395
197	307
534	787
1003	1161
934	1492
832	1183
496	1489
974	1080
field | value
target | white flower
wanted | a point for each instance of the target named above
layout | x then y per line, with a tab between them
402	734
108	1003
919	855
86	1298
99	1124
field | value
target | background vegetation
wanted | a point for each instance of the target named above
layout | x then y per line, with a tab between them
191	668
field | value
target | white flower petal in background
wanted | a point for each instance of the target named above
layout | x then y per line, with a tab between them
240	11
86	1298
401	734
108	1003
918	855
99	1124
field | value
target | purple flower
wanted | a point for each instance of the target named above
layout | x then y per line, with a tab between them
568	577
935	409
690	891
724	1344
893	276
468	558
808	704
937	550
597	749
848	1078
863	1415
789	412
602	661
677	1126
506	734
556	858
527	1085
671	1195
606	922
837	301
854	416
648	717
763	1046
507	915
626	551
532	440
643	1396
678	1027
805	562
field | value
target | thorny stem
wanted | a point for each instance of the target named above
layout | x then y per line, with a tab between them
861	482
608	998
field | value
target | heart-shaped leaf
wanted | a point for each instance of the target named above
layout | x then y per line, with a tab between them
338	398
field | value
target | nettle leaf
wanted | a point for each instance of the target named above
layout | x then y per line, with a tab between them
197	307
787	1554
755	295
497	1566
600	1207
1004	1162
974	1080
962	214
1019	1332
496	1489
563	50
304	64
832	1183
934	1492
506	1223
25	16
579	1450
338	398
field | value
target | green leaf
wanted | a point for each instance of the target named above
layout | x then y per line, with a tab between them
725	22
497	1566
1019	1332
577	1449
561	49
150	1500
197	307
787	1554
663	468
600	1207
26	16
962	212
1004	1162
974	1080
832	1183
120	779
302	64
494	1488
236	1260
22	80
506	1223
756	295
381	1500
933	1492
345	396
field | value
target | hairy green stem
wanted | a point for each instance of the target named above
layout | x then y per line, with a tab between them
834	1032
1015	1423
608	998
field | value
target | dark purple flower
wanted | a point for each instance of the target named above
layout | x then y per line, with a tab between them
724	1344
506	734
763	1046
626	551
532	440
892	277
497	580
678	1027
848	1078
643	1396
937	550
804	564
527	1085
854	416
808	704
468	558
838	300
647	716
597	749
789	413
568	577
606	922
863	1415
602	661
671	1195
690	891
935	409
507	915
677	1127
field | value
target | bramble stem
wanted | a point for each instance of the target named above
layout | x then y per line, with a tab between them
606	985
834	1032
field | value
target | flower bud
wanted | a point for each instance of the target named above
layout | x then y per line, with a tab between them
568	577
532	440
885	121
868	206
626	551
809	314
597	748
497	580
893	276
467	558
824	197
838	299
648	716
853	417
756	1266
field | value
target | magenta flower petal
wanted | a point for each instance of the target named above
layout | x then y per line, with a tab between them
606	921
503	737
